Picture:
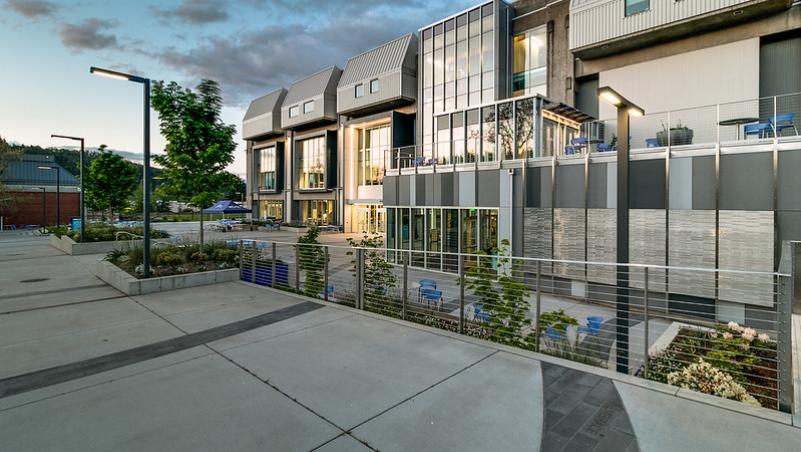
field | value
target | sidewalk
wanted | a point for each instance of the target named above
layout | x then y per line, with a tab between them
239	367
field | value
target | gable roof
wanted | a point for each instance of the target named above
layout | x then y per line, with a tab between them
265	104
377	61
311	86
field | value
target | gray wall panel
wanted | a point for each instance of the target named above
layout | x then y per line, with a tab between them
546	189
647	182
568	241
390	190
647	235
420	189
404	183
703	182
681	183
789	180
570	186
489	188
445	189
602	244
537	233
596	196
789	225
431	181
757	192
533	187
467	189
746	243
692	244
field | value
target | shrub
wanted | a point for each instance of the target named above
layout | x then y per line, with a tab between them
557	319
105	232
169	257
703	377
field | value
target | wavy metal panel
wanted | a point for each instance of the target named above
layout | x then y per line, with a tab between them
594	21
746	243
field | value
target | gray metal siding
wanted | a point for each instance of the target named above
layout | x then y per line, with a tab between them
319	87
263	116
390	89
780	67
594	21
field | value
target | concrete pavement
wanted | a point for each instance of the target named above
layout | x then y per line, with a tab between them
330	379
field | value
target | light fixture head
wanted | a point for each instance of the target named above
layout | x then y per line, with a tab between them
611	98
46	168
635	111
116	75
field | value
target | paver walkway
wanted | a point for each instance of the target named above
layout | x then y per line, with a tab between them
238	367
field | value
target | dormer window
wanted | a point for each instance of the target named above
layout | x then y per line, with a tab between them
308	107
374	85
359	91
637	6
293	111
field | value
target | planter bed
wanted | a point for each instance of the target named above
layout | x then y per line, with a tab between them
71	247
129	285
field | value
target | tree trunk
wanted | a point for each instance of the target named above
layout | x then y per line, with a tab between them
201	229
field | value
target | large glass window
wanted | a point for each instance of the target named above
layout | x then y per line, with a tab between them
488	233
530	62
469	231
272	209
404	228
488	134
317	211
267	166
457	127
418	236
637	6
505	130
433	245
373	145
312	163
450	242
369	218
443	141
524	128
391	233
473	135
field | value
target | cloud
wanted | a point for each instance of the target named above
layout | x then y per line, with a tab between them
196	12
32	8
250	63
89	34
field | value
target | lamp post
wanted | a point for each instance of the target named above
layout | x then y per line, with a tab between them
146	157
625	110
44	208
58	191
83	211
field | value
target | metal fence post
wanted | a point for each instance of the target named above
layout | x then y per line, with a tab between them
325	273
645	358
272	269
360	279
789	294
253	266
538	307
461	294
241	259
297	268
405	296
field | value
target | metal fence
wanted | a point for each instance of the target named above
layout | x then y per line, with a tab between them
629	324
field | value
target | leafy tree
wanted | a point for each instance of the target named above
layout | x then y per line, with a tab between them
239	189
109	182
199	144
7	153
311	259
379	280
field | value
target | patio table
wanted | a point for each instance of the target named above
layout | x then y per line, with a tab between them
738	122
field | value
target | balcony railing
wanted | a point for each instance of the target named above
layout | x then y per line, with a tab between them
749	122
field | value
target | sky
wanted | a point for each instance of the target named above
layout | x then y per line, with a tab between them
250	47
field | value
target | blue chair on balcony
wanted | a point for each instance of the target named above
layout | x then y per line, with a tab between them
783	121
593	326
761	130
605	147
651	143
572	150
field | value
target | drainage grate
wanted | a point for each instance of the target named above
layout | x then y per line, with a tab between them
34	280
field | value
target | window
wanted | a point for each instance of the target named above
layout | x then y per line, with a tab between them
505	130
530	62
272	209
312	163
524	128
374	85
360	90
457	128
443	140
317	211
308	107
373	144
488	134
267	167
473	135
293	111
637	6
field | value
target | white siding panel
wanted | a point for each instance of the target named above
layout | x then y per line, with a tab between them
596	21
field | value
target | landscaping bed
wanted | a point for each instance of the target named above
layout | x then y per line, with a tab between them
177	259
730	361
104	232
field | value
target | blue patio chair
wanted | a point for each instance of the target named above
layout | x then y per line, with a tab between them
783	121
571	150
651	143
593	326
761	130
580	141
330	292
479	315
553	334
605	147
427	283
432	295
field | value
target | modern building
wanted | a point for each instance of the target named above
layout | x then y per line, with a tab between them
267	189
39	192
375	101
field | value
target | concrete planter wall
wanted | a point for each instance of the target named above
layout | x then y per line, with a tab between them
74	248
129	285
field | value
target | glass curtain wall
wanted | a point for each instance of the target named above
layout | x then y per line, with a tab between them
457	128
418	236
272	209
434	231
488	134
524	128
428	88
473	135
443	140
317	211
267	177
530	62
506	128
373	145
450	225
312	163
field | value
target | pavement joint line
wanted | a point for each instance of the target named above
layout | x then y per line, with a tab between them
100	383
46	292
67	372
36	257
433	385
39	308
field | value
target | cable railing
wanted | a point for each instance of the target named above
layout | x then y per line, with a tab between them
630	323
748	122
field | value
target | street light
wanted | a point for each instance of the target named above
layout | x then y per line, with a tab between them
58	191
625	110
44	208
146	157
83	212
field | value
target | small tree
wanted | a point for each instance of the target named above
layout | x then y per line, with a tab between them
109	182
7	153
199	145
378	277
311	259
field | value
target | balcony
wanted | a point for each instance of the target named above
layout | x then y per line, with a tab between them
600	27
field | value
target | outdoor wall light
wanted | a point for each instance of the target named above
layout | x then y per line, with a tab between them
613	97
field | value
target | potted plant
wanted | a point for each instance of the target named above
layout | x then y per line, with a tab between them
676	136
